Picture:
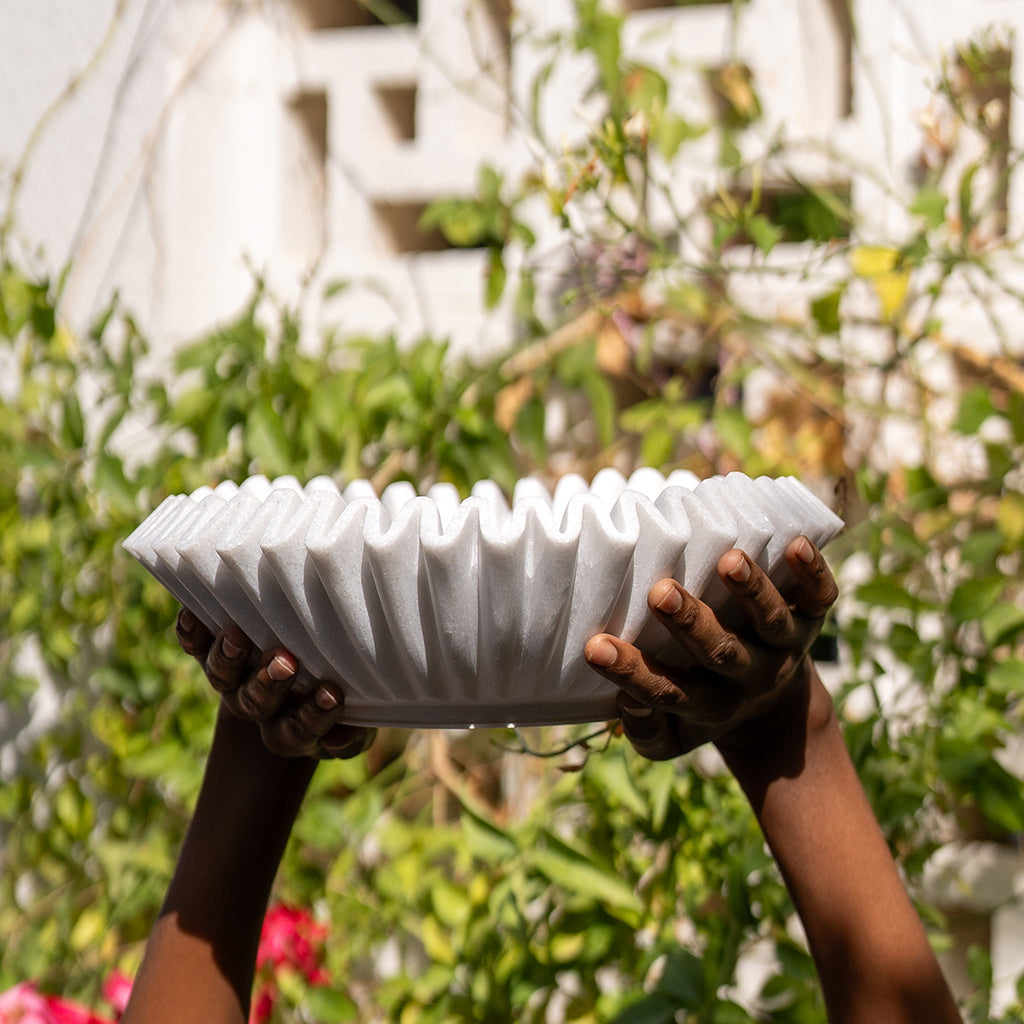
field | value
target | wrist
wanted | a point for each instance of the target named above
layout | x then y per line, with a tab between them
778	743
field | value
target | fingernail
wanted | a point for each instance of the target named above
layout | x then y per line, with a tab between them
187	620
603	653
231	650
280	669
804	550
669	600
325	699
740	572
636	710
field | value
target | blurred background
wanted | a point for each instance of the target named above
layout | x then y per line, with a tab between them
480	239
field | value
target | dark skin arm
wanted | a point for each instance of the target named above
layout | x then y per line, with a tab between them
200	959
756	695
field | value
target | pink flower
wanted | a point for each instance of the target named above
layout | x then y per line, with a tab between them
63	1011
292	938
24	1005
116	990
263	1003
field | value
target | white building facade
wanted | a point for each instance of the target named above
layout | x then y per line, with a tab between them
171	150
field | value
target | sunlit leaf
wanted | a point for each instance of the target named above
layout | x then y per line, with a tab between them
881	266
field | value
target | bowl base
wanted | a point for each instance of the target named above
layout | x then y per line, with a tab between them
430	715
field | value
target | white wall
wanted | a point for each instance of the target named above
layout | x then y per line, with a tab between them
188	152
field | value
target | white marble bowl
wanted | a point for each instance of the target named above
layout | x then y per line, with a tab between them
435	612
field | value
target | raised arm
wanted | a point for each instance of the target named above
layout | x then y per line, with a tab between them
755	693
200	959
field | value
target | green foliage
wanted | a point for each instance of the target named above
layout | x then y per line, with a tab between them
624	891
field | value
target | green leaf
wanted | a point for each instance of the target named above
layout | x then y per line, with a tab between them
652	1009
392	394
1010	518
975	407
974	597
1000	800
602	406
825	311
672	131
965	198
23	302
110	480
887	593
529	429
612	774
657	446
450	902
683	979
266	440
578	874
74	422
99	325
763	233
486	839
1006	678
330	1004
659	780
465	223
495	277
930	204
733	429
1002	623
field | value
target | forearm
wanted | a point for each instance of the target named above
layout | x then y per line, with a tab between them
200	959
870	948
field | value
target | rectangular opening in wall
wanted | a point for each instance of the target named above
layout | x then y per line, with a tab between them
318	15
631	6
304	177
842	24
397	104
794	212
489	23
982	90
398	226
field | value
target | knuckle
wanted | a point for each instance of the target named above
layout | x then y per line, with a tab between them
829	593
252	701
188	644
296	735
312	721
666	696
777	626
724	655
221	677
820	590
283	737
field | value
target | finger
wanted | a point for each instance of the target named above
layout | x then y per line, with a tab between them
343	741
643	678
654	734
766	610
696	628
815	589
298	729
227	660
265	692
193	637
